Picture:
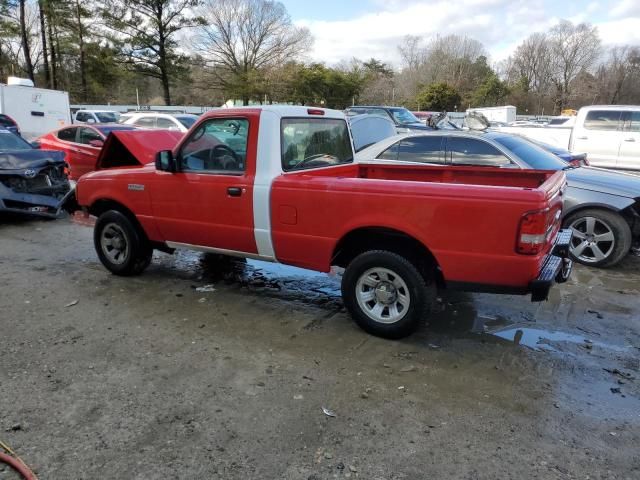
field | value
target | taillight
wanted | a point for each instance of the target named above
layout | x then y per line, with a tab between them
535	230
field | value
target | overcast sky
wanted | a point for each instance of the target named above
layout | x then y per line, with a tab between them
373	28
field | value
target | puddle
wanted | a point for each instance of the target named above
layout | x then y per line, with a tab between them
545	340
271	279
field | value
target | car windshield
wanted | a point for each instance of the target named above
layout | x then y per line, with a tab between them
107	117
106	130
402	115
536	157
187	121
10	142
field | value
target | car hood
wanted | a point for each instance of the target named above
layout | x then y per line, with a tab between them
606	181
29	159
125	148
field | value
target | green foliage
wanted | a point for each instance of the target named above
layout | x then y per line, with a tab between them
145	33
438	97
318	85
491	92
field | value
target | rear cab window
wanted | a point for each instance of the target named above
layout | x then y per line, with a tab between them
314	142
608	120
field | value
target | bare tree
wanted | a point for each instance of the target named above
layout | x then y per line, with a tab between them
574	49
620	73
242	38
26	49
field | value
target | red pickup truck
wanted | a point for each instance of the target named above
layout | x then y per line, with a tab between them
278	183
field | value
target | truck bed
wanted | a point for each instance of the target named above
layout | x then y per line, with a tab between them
446	174
467	217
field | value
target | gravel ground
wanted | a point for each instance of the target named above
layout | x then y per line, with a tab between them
156	377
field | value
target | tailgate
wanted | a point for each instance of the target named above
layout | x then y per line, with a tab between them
124	148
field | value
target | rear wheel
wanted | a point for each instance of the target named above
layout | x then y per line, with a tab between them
386	294
121	244
600	238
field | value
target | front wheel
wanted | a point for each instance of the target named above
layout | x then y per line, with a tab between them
600	238
386	294
121	244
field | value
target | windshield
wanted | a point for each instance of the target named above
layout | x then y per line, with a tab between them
187	121
11	142
314	142
536	157
402	115
107	117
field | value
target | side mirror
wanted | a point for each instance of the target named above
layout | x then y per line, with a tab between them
96	143
90	120
165	162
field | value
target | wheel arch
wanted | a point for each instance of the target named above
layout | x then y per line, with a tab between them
362	239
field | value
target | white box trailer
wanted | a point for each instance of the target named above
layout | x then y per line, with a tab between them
36	110
506	114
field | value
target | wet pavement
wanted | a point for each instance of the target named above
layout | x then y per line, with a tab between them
213	367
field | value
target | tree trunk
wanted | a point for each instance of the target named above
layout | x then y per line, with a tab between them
52	49
25	42
43	35
83	66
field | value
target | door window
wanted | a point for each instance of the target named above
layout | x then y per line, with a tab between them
421	149
632	121
166	123
88	134
603	120
146	122
67	134
81	116
218	145
471	151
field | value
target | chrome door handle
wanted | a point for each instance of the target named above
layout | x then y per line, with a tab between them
582	138
629	139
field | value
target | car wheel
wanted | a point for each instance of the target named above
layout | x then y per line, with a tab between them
386	294
600	238
121	244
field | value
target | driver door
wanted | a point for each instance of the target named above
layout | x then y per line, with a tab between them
209	201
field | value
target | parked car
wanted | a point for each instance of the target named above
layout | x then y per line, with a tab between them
608	134
32	181
602	207
96	116
165	121
278	183
81	144
9	124
405	120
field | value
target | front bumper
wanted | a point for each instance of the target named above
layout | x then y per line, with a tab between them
555	269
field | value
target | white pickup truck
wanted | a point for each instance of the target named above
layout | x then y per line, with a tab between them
608	134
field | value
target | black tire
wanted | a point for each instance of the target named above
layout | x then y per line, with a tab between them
421	294
137	255
614	251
